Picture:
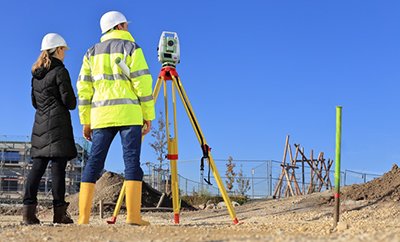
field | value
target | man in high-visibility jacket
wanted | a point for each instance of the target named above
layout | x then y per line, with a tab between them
110	102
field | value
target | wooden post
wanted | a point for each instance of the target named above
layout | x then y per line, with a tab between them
278	185
310	187
330	163
318	167
310	163
101	209
326	176
312	167
161	200
288	182
303	177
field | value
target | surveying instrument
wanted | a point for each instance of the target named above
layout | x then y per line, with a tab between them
169	57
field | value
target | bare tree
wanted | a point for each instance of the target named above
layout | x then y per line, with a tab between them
160	139
230	174
160	148
243	183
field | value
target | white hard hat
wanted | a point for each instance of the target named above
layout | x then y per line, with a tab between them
111	19
52	40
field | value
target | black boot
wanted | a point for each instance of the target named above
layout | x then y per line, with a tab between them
29	214
61	216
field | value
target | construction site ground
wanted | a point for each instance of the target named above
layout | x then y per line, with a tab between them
369	212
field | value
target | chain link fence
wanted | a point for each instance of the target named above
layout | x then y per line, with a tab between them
262	176
259	176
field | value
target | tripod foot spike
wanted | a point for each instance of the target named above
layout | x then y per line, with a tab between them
113	220
235	221
176	218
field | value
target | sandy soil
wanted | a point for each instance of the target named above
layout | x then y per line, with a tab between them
369	212
307	218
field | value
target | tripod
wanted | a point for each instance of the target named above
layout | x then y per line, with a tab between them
169	73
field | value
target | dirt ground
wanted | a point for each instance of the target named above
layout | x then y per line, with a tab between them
364	217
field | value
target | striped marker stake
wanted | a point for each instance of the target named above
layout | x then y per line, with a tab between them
337	163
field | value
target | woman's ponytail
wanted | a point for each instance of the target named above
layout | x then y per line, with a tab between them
42	61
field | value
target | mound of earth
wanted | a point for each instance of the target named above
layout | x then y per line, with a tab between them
386	187
108	188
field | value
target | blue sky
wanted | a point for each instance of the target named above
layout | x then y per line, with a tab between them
254	72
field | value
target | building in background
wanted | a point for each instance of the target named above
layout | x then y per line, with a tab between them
15	163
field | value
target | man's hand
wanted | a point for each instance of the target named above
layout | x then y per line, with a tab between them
146	127
87	132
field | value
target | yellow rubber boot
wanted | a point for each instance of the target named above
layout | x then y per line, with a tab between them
85	202
133	200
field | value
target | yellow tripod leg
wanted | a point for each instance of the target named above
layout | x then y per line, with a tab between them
122	192
173	153
118	205
157	87
222	189
202	140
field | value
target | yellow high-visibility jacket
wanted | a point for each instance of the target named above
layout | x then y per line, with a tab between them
107	98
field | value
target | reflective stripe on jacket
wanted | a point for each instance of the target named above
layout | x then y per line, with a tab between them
107	98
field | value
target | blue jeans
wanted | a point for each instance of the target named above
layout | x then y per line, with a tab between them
131	139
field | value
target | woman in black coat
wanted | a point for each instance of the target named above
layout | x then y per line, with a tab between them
52	136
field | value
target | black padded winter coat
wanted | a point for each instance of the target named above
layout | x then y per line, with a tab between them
53	97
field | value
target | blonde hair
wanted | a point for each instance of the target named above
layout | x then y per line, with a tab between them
44	59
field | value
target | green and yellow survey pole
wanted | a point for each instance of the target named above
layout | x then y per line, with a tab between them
337	163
